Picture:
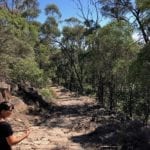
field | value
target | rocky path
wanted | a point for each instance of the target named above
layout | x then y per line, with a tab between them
54	130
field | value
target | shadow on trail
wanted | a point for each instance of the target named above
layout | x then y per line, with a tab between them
116	136
103	135
55	116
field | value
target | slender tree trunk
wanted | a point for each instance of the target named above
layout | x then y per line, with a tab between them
100	91
78	79
130	102
145	36
141	27
111	95
71	82
147	104
74	68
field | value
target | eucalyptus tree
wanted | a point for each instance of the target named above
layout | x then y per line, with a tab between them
17	40
11	5
140	77
111	52
73	49
136	12
46	47
49	29
27	8
89	14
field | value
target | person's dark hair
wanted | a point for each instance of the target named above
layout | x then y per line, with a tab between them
6	106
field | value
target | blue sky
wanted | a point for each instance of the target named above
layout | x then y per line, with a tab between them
66	7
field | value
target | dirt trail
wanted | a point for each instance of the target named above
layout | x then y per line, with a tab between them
54	130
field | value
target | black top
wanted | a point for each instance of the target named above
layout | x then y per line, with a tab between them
5	131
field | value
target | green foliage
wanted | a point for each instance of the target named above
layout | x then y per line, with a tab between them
111	51
73	33
73	20
26	70
143	4
139	75
50	28
17	52
42	55
18	26
113	47
47	93
52	10
28	8
83	57
12	49
140	69
125	9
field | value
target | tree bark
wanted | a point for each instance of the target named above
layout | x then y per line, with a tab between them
100	91
130	102
111	96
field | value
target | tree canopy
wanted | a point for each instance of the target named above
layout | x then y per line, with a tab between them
79	53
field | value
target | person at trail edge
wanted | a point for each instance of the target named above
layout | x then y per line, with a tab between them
7	138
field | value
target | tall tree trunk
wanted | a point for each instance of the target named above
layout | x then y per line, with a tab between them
147	104
71	82
145	36
130	105
74	68
111	95
100	91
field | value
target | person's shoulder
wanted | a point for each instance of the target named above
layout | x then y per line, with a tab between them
5	129
4	123
5	126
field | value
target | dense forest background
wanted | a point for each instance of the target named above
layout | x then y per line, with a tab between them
80	54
